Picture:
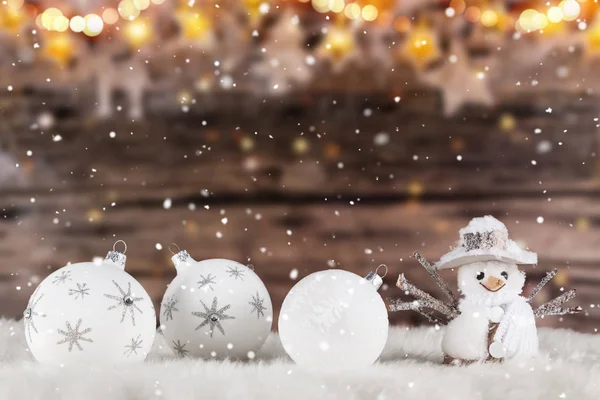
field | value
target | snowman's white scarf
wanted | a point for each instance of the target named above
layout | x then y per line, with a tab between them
516	330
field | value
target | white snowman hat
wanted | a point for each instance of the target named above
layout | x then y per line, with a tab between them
485	239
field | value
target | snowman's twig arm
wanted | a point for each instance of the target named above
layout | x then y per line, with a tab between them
399	305
547	278
426	300
436	277
553	307
558	311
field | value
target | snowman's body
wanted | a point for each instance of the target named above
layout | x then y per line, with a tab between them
466	336
494	321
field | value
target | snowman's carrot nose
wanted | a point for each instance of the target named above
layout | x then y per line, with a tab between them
494	283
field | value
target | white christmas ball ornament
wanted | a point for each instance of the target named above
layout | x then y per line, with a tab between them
334	319
90	312
215	309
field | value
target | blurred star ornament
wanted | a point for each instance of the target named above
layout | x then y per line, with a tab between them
338	46
421	46
458	83
90	312
215	308
334	319
284	62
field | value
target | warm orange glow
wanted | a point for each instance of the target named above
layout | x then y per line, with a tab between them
489	18
592	38
193	23
472	14
110	16
58	47
421	46
402	24
458	5
137	32
338	42
11	19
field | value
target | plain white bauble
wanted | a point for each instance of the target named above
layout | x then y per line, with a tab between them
333	319
90	313
215	308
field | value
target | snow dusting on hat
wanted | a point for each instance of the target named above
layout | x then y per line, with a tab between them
485	239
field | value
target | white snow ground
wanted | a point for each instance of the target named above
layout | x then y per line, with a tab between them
568	368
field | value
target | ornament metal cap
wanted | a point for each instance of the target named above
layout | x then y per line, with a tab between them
374	278
181	259
115	257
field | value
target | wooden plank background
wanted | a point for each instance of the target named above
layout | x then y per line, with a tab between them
343	201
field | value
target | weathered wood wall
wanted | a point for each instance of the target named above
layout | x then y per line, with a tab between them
300	188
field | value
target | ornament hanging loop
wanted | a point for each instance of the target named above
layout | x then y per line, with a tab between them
115	246
251	266
176	246
375	279
382	266
116	257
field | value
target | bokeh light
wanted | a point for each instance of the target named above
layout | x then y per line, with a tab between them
402	24
369	13
60	23
141	4
48	16
110	16
555	14
15	4
489	18
472	14
127	10
137	32
352	11
570	9
77	23
93	25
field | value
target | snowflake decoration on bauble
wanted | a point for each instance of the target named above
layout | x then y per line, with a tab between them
73	336
213	316
126	301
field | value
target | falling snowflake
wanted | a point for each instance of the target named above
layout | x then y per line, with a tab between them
169	307
257	304
63	277
74	336
30	313
134	346
81	291
207	281
126	301
180	348
213	316
235	272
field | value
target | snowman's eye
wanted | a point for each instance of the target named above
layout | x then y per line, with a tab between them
504	274
480	276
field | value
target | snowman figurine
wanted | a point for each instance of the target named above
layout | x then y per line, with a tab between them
495	321
491	321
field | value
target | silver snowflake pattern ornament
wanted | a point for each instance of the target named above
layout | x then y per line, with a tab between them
73	336
63	277
126	301
207	281
180	348
169	308
236	273
136	343
30	314
257	305
81	291
213	316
